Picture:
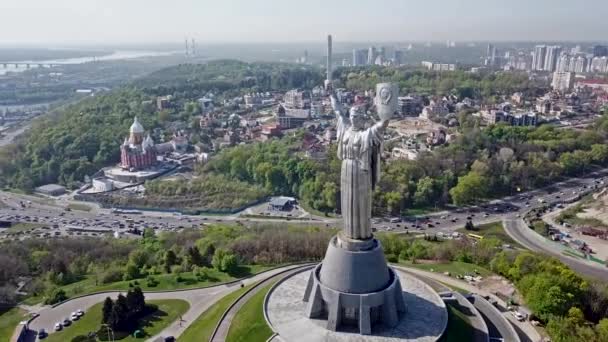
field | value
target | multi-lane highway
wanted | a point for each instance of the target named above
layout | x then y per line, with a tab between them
57	221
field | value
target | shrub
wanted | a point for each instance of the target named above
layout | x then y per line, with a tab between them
392	258
151	281
56	296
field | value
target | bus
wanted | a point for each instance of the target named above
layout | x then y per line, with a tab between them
125	211
475	236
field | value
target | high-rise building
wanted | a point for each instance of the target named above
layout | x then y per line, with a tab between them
538	59
382	52
371	55
551	57
562	63
598	64
491	55
563	81
600	50
359	57
398	57
580	64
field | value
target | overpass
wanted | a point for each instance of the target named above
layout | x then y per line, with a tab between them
27	65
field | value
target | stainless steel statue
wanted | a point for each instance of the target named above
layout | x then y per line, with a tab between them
359	148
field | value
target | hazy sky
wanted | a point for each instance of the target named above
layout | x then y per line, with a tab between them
150	21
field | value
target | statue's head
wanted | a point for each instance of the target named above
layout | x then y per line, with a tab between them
358	118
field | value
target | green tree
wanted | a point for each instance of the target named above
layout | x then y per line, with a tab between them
224	261
106	311
599	153
131	271
194	257
136	301
120	314
602	330
425	191
393	201
170	260
470	188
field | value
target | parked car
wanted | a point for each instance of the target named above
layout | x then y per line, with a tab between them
58	326
67	322
42	334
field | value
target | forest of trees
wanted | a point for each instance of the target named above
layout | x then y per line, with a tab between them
56	263
486	87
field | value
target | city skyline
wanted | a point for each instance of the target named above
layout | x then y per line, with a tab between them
112	21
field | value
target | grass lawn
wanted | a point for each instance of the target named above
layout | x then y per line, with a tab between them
202	328
313	211
459	327
492	230
165	282
9	319
78	206
454	267
168	310
420	211
249	324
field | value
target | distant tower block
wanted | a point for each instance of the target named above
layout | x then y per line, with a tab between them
329	57
193	47
187	51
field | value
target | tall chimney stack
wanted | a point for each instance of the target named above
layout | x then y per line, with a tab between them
329	52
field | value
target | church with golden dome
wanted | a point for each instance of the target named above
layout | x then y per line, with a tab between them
137	152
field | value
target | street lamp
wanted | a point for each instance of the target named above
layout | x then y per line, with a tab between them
109	329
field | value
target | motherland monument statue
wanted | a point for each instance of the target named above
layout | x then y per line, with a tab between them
353	286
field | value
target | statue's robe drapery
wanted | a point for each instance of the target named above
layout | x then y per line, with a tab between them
360	155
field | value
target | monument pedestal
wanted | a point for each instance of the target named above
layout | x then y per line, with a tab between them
354	287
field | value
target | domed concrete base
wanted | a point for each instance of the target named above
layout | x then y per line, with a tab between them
354	288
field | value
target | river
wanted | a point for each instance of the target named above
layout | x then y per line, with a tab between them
116	55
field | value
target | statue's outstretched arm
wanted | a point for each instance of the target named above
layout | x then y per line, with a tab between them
341	115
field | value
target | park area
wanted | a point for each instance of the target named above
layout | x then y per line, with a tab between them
163	313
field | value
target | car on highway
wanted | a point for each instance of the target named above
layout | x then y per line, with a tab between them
518	316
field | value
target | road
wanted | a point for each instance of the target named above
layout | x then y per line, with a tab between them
518	230
8	137
52	214
199	300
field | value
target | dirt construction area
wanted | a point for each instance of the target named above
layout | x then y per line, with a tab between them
597	209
